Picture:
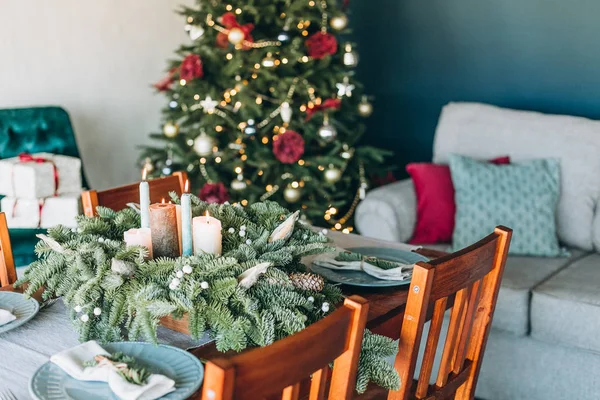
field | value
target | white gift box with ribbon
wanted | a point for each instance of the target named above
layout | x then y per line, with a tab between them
42	213
39	175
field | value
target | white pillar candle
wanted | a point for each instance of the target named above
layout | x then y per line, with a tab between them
144	201
207	235
178	212
139	237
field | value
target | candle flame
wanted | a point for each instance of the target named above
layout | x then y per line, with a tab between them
163	200
187	186
206	214
144	173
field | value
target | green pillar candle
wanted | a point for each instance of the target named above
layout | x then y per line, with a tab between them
163	224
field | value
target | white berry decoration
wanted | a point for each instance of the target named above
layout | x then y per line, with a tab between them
179	274
311	299
231	230
248	241
325	307
78	308
242	233
324	232
97	311
204	285
187	269
85	318
243	227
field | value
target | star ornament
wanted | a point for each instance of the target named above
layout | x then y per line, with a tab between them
209	105
345	88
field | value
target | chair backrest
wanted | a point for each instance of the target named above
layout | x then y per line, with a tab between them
279	368
118	198
8	273
470	279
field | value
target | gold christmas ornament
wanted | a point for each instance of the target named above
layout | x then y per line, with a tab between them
350	56
238	185
235	36
332	174
203	144
307	281
365	108
291	195
171	129
339	22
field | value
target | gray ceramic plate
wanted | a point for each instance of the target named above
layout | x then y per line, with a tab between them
359	278
22	308
51	383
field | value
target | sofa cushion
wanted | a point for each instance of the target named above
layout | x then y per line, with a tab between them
483	131
566	308
521	275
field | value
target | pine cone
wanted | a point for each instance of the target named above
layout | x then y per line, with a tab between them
307	281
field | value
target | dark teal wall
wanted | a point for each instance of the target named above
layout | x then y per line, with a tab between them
417	55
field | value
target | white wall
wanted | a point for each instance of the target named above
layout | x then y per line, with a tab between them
97	59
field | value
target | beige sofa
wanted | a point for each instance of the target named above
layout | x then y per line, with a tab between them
545	342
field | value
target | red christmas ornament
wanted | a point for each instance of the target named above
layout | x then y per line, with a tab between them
191	68
321	44
165	83
229	21
334	104
289	147
214	193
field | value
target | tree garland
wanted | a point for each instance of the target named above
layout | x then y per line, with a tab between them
249	296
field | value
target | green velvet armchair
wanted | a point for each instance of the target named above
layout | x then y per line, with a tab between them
33	130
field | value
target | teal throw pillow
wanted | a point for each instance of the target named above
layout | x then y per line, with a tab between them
522	196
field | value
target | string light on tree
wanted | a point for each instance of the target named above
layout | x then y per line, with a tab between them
171	129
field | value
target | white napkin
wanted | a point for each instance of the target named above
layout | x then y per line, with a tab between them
156	386
400	273
72	362
6	317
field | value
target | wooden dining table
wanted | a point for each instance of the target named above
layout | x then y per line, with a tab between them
386	305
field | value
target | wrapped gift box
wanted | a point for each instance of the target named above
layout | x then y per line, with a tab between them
42	213
24	178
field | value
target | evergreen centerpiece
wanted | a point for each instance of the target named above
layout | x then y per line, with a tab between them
264	104
256	292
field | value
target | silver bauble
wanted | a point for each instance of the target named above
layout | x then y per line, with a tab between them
339	22
333	175
250	128
203	144
238	185
284	36
350	56
268	61
327	132
171	129
291	195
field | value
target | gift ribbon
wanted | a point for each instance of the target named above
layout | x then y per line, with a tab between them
41	203
27	157
327	104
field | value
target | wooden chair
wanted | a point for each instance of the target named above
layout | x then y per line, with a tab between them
118	198
8	273
471	279
276	370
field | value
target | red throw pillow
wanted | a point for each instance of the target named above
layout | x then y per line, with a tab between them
435	201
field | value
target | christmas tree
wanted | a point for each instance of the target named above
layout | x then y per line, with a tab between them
264	104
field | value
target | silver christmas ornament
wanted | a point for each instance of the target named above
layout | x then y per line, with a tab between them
250	128
350	56
203	144
209	105
284	36
339	22
268	61
291	195
171	129
345	88
365	108
327	132
332	174
238	185
286	112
